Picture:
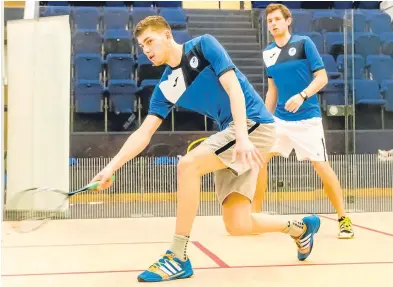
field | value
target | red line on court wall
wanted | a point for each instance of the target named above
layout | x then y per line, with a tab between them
360	226
201	268
211	255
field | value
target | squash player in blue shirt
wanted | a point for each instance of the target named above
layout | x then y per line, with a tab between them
201	77
296	74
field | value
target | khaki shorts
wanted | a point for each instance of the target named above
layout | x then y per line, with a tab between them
238	177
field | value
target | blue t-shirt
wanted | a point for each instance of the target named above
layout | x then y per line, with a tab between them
292	67
195	85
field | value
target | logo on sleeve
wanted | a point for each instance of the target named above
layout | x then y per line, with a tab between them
194	62
292	51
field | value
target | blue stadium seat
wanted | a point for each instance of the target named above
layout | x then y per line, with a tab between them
122	97
387	92
114	3
380	23
330	66
387	43
169	3
87	66
86	18
293	4
120	66
87	41
143	3
301	21
181	36
335	43
88	96
145	91
118	42
359	22
380	67
176	17
116	18
366	43
342	4
327	21
316	38
367	92
333	93
140	13
146	70
366	4
358	67
57	11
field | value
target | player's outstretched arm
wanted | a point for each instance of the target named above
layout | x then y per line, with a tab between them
134	145
271	96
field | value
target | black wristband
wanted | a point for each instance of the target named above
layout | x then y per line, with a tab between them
303	95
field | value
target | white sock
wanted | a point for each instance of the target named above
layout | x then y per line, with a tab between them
179	246
295	228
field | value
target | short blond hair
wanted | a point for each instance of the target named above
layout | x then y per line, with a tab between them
284	10
153	22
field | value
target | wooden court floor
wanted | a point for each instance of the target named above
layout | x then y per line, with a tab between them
112	252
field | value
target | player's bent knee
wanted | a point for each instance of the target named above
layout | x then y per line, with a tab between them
186	164
237	215
236	228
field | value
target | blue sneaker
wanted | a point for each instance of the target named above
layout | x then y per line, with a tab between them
167	268
306	241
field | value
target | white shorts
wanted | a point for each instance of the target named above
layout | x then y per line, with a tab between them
306	137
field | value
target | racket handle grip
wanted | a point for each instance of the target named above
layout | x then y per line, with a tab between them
95	184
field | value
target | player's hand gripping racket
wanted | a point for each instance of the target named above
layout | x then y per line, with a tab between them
35	206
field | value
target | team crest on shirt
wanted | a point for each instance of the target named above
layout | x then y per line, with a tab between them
292	51
194	62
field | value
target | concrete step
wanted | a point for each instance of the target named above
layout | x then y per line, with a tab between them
247	69
254	78
218	24
214	12
231	46
255	61
218	18
225	31
252	53
231	38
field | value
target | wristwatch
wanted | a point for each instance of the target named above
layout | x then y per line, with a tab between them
303	95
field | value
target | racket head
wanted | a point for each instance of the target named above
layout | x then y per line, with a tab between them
34	207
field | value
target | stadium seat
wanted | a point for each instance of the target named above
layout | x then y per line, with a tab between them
367	92
380	23
176	17
143	3
387	92
335	43
359	22
88	96
87	41
301	21
342	4
86	18
387	43
316	38
140	13
87	66
366	4
366	44
145	91
333	93
181	36
114	3
57	11
116	18
146	70
358	66
380	67
118	42
120	66
122	97
169	3
293	4
327	21
330	66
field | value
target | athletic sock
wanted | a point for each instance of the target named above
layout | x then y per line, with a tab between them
179	246
295	228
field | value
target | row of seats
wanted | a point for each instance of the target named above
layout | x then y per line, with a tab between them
364	91
374	21
364	43
114	3
320	4
108	18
